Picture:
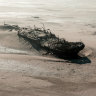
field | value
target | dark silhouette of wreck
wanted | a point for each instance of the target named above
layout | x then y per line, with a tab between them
47	41
52	44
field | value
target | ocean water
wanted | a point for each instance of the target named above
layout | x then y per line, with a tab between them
51	11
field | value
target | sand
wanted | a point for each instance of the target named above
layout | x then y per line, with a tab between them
27	73
24	71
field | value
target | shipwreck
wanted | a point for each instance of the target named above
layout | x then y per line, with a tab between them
51	43
47	41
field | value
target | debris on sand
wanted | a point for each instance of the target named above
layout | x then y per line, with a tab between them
49	41
9	27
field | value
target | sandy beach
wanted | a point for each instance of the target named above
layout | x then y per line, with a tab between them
24	71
